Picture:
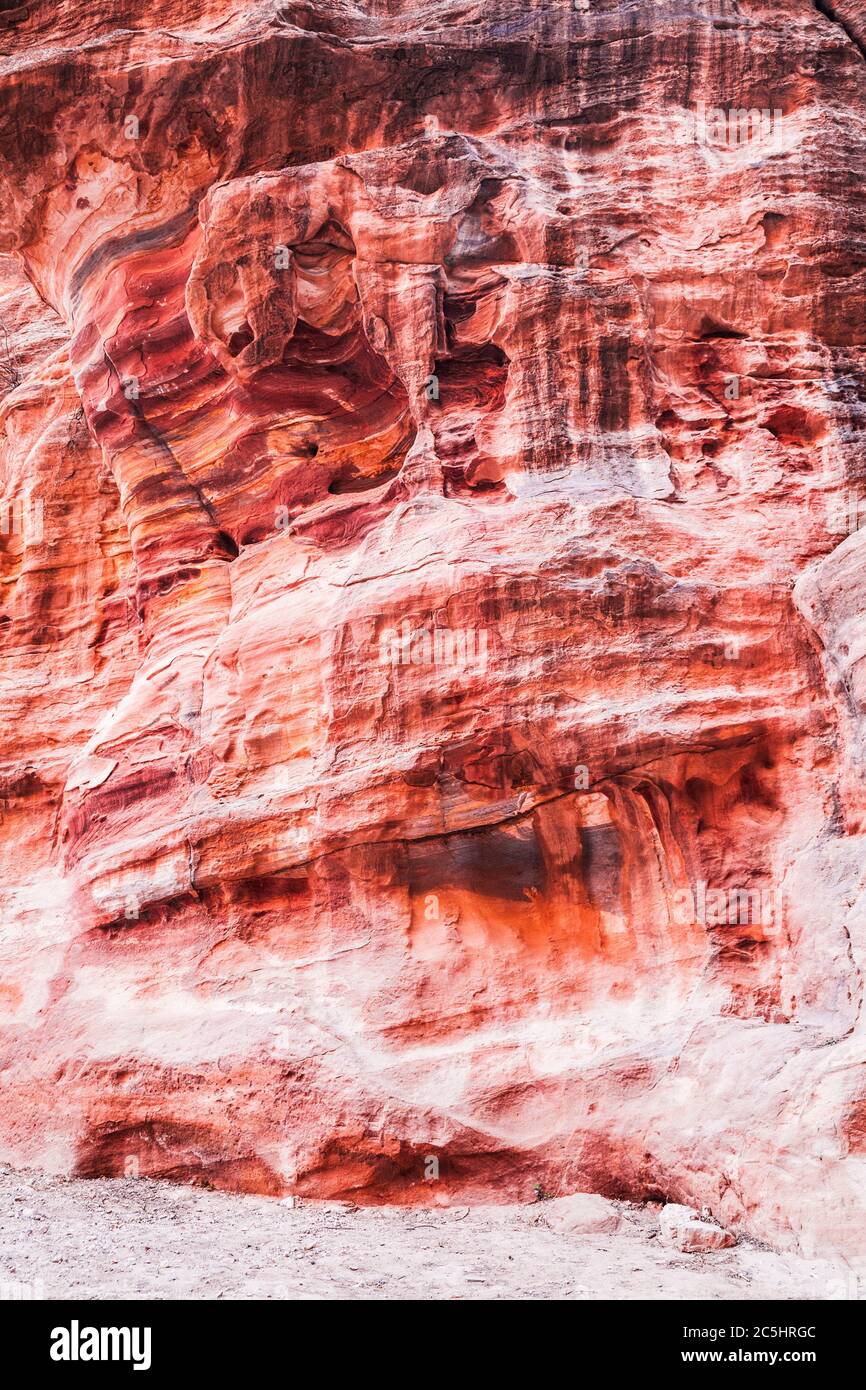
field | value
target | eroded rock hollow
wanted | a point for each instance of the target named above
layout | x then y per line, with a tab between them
432	631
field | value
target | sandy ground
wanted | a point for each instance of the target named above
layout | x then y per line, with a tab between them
134	1238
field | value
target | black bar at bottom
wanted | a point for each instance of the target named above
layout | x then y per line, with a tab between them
139	1339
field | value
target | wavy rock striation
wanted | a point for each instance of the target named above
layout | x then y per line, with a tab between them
433	686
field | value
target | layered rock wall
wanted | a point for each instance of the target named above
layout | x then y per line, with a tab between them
432	695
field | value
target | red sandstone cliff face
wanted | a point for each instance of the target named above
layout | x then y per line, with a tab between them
433	695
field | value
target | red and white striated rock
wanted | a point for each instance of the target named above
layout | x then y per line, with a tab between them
283	910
